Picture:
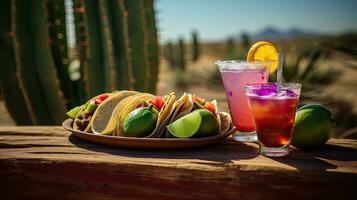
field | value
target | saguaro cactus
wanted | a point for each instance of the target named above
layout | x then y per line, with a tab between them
195	46
14	94
169	54
116	43
230	48
152	44
34	69
181	54
245	40
59	49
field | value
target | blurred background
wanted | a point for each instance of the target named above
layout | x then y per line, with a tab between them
169	45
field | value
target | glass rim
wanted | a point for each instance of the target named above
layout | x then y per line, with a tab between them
285	85
220	62
294	87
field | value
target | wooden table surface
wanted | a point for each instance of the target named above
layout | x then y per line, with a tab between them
49	163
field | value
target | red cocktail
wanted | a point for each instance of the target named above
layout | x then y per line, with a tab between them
274	114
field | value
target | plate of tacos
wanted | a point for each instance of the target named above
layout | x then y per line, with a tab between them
137	120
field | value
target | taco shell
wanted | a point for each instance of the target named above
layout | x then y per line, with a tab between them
226	122
124	108
164	116
216	113
84	106
103	120
182	107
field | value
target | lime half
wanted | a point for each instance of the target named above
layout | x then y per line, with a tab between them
186	126
199	123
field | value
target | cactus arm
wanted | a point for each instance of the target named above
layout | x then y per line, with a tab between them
96	66
170	57
44	65
13	92
107	47
118	23
152	44
137	42
81	34
27	65
59	49
88	42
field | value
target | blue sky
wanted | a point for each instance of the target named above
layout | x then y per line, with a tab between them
217	19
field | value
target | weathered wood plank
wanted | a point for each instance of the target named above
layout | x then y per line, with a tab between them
47	162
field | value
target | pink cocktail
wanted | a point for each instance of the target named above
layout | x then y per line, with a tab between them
236	75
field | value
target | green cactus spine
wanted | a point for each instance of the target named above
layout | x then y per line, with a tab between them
195	46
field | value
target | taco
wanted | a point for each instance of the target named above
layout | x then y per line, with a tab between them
200	103
189	103
127	106
164	115
102	120
84	116
226	122
163	105
182	107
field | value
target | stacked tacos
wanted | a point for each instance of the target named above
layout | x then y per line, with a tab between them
135	114
97	107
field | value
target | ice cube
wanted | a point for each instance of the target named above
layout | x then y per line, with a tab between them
287	93
266	90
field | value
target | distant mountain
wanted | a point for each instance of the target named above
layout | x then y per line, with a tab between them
272	33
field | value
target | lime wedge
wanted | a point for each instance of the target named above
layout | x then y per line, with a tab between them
186	126
73	112
209	125
199	123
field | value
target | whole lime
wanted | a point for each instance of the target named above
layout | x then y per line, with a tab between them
199	123
313	126
140	122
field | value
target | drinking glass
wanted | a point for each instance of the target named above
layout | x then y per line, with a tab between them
235	75
274	115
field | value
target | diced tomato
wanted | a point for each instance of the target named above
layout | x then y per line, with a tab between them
158	102
103	97
198	100
97	101
100	99
209	106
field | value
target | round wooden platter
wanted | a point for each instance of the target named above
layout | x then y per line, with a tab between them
147	143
